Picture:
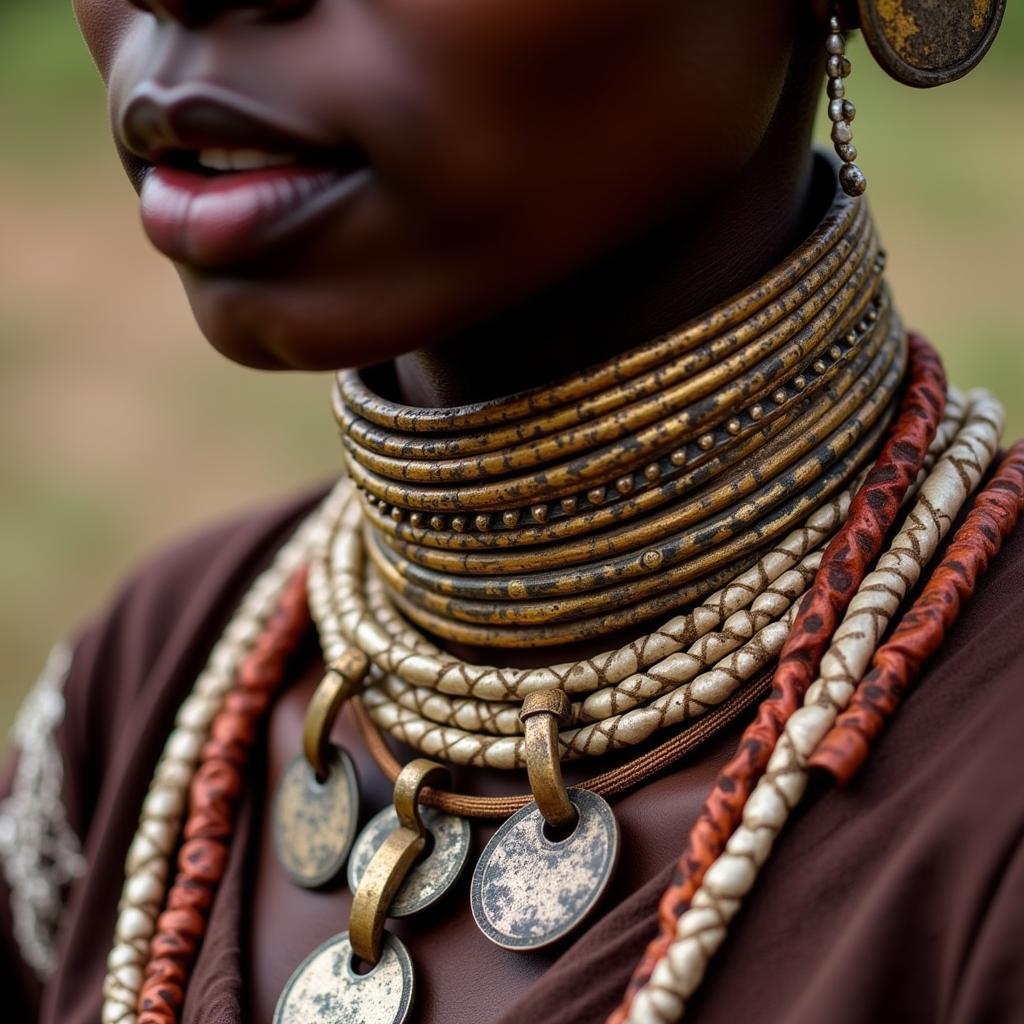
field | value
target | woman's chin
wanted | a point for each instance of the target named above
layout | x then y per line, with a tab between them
274	324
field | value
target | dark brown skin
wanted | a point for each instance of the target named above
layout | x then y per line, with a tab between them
561	179
551	182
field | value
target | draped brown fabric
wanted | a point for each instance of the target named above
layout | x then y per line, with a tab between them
899	898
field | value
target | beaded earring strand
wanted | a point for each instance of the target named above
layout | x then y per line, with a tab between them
841	111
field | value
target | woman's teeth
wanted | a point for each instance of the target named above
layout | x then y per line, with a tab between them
241	159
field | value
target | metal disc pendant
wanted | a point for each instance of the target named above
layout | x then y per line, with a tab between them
528	890
325	990
315	822
433	876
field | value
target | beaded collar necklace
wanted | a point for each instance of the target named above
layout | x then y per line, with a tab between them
723	493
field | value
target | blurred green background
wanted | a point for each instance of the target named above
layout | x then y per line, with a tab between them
123	429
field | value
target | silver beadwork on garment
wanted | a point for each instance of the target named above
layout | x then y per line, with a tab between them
39	852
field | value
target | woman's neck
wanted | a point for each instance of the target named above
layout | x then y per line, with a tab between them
669	276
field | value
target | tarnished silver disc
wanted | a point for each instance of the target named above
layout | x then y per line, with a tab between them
314	823
325	990
930	42
433	876
528	890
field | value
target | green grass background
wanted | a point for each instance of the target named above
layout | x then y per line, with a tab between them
122	429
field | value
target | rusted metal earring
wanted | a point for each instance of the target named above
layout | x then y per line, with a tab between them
841	111
925	43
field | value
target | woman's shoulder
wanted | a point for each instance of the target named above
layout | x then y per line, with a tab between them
192	583
143	651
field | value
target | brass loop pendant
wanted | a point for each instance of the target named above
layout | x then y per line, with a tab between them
392	861
542	713
530	890
325	989
430	878
314	821
316	807
342	679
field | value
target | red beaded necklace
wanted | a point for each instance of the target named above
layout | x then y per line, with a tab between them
212	806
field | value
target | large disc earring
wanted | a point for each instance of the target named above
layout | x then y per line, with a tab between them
925	42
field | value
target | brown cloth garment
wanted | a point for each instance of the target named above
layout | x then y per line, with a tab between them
900	898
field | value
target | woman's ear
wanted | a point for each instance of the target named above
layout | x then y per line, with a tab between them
929	42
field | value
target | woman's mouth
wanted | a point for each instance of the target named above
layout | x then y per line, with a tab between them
222	186
238	203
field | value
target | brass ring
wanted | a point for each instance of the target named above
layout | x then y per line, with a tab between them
414	776
543	712
343	678
391	863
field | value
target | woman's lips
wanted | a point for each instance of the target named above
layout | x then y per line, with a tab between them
225	180
234	217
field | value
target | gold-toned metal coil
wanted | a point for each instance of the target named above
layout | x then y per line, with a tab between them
601	464
665	479
619	494
684	470
352	608
706	381
610	580
852	390
500	716
838	263
736	556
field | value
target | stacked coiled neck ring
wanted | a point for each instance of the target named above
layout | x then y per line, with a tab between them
628	491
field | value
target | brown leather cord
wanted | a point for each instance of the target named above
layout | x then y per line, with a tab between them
611	783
